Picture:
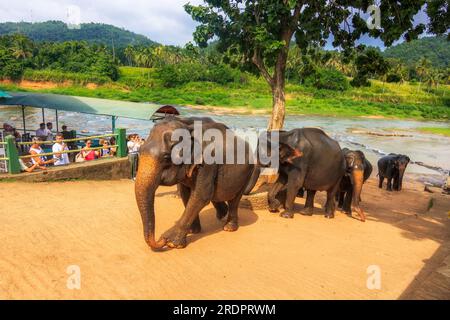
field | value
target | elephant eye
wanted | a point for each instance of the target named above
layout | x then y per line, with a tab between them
167	157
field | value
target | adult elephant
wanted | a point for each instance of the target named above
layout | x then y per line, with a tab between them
392	167
309	159
199	184
357	172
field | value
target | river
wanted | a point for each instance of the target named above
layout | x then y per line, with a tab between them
430	153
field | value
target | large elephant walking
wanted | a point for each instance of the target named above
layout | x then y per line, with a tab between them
392	167
357	172
199	184
309	159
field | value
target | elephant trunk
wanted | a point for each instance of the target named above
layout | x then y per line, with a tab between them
147	181
401	172
357	181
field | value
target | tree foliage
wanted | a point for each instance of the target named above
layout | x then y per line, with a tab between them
259	32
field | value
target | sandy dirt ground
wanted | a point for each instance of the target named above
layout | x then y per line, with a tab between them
47	227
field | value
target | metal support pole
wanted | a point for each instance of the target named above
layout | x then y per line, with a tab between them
113	123
23	120
57	123
12	154
43	115
121	142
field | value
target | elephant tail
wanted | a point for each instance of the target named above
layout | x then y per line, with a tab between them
253	179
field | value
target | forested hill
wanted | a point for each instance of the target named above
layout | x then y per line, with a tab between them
57	31
435	49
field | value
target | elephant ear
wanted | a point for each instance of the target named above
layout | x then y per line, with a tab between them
289	154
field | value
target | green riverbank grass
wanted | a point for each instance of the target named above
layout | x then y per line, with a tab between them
404	101
434	130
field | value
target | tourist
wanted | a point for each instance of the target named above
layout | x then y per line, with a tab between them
36	150
42	132
112	142
49	131
106	151
59	157
25	168
9	130
133	145
88	154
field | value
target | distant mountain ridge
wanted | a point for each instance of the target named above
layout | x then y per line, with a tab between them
57	31
435	49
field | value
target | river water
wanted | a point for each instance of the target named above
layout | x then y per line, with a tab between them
430	154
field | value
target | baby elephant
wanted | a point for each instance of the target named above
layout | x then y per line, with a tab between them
392	166
358	170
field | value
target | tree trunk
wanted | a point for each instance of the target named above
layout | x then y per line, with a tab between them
278	107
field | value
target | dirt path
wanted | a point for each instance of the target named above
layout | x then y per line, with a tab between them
46	227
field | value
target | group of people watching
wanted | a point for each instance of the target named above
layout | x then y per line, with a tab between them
45	139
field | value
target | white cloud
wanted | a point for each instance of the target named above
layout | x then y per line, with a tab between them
164	21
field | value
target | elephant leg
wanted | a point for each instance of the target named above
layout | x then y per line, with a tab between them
200	196
340	198
381	179
348	202
395	183
389	184
232	221
274	203
309	203
185	193
330	205
221	209
295	182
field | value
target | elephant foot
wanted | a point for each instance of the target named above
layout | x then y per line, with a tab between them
221	210
231	226
329	215
195	229
274	205
287	215
175	238
308	211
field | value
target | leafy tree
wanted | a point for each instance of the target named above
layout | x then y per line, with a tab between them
261	31
369	64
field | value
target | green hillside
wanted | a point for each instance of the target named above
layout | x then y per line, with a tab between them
435	49
57	31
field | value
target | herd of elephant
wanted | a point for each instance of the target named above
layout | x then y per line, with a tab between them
309	160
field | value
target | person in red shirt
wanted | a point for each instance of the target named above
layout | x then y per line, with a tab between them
89	154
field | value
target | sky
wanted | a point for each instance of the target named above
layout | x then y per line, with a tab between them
163	21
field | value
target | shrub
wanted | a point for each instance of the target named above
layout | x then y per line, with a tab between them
179	74
329	79
360	81
393	78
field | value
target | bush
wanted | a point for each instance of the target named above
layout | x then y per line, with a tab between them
182	73
360	81
393	78
329	79
61	76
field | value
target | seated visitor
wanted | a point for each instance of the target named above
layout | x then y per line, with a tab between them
87	154
60	158
36	150
30	168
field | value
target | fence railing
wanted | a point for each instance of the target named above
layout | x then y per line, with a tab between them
12	154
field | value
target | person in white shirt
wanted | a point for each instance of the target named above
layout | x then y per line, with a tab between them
36	151
133	145
60	158
42	131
